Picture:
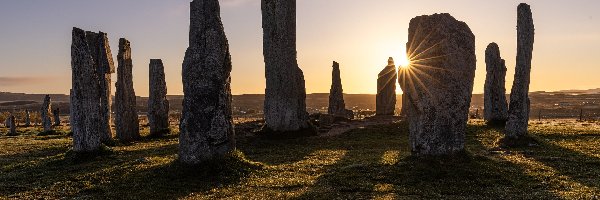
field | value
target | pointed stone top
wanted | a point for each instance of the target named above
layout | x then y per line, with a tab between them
391	61
336	64
524	6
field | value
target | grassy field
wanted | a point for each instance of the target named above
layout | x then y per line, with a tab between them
367	163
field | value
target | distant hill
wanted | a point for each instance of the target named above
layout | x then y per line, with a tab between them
589	91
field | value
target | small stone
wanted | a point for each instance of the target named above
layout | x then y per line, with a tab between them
27	118
518	113
46	109
56	114
158	105
386	90
439	82
495	107
13	126
285	94
337	106
206	128
126	117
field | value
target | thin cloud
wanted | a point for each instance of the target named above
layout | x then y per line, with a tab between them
18	81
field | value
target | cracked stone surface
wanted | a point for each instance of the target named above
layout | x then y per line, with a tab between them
206	123
439	82
518	113
495	106
285	94
158	105
126	117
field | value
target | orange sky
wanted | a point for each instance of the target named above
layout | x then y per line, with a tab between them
360	35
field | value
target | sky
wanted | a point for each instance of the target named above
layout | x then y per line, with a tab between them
35	40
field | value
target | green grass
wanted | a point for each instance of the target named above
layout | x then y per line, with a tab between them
368	163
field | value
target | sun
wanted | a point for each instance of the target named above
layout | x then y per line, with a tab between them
403	62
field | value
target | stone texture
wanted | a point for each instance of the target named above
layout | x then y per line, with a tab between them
206	123
495	106
7	122
13	126
56	114
285	94
126	117
27	118
337	106
45	114
439	82
386	90
91	65
518	114
158	105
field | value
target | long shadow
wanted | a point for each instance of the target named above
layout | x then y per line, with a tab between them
463	176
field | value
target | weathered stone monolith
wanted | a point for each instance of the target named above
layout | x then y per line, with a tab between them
90	62
158	105
518	114
13	126
285	95
7	122
27	118
46	110
337	106
56	114
104	67
126	117
206	128
386	90
495	107
439	82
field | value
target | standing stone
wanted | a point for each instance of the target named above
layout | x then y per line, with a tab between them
13	126
495	109
518	114
27	118
46	110
126	117
285	95
158	105
56	113
337	106
386	90
7	122
206	122
439	82
105	66
91	60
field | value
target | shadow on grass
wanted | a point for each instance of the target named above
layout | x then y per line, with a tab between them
462	176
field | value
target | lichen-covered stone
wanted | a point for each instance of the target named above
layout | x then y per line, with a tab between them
45	114
495	107
56	114
518	114
91	63
285	94
158	105
386	90
206	122
126	117
337	106
439	82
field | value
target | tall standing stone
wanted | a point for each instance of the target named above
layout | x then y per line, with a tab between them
91	65
27	118
158	105
126	117
56	114
13	126
337	106
46	110
285	95
518	114
439	82
386	90
206	122
495	106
